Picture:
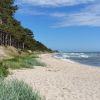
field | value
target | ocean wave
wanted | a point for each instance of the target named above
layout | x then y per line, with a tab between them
71	55
84	56
88	58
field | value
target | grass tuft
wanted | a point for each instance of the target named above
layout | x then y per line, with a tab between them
27	61
16	90
3	71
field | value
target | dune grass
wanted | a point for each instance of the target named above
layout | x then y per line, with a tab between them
3	71
26	61
17	62
16	90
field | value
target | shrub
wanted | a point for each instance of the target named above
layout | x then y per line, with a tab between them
3	70
16	90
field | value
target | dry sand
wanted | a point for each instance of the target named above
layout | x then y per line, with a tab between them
62	80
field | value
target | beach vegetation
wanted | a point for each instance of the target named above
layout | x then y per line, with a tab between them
17	62
17	90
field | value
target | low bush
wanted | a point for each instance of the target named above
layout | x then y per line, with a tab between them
3	70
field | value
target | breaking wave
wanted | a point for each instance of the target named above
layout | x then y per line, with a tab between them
89	58
71	55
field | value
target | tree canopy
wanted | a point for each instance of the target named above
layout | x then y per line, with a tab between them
10	25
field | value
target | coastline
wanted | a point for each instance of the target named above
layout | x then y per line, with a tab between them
62	80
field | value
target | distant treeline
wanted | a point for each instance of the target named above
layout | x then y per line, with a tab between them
12	33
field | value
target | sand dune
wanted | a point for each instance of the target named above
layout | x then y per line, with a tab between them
62	80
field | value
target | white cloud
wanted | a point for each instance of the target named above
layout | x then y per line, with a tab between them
57	14
30	12
54	2
90	16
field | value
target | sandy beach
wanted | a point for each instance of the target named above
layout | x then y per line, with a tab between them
62	80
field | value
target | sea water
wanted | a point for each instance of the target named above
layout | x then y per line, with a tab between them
88	58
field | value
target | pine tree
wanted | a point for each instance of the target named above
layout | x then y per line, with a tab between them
12	32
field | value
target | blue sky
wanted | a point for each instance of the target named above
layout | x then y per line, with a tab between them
69	25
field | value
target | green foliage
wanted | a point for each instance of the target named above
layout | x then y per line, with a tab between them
3	71
17	62
28	61
14	27
16	90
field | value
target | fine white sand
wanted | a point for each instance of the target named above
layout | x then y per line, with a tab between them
62	80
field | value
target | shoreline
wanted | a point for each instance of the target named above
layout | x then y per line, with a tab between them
73	61
62	80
